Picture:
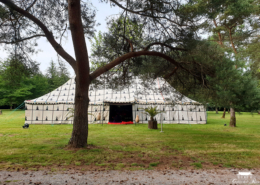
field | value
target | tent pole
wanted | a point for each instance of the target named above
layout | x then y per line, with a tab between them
161	120
103	113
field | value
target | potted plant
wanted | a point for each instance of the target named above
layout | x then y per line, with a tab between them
152	111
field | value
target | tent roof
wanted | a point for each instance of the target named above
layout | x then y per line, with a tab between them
134	93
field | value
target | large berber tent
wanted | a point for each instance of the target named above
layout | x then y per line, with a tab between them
114	106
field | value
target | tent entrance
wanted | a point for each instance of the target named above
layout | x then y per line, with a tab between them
121	114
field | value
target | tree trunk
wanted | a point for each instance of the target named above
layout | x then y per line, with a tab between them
11	107
232	122
216	110
79	135
259	112
228	110
224	113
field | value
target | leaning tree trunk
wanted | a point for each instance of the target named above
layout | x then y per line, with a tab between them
216	110
232	122
224	113
80	125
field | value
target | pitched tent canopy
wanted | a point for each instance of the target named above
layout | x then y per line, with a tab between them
53	108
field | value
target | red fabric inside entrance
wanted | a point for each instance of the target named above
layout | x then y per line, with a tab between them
120	123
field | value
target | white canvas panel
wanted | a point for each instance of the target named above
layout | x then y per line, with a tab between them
90	108
193	108
67	116
167	114
62	98
48	117
58	107
201	108
99	98
71	93
140	113
108	96
52	99
193	117
183	117
105	114
57	116
159	117
91	99
37	116
99	92
91	116
177	107
174	116
201	116
97	109
164	117
72	87
134	112
183	107
44	97
28	113
71	99
28	106
66	122
48	107
68	107
65	87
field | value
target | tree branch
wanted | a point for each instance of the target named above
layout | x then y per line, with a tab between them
28	8
172	73
124	57
162	44
219	35
129	41
139	13
58	48
21	40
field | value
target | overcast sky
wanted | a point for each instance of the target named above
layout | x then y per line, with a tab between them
47	53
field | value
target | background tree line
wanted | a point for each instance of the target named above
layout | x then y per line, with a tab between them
19	82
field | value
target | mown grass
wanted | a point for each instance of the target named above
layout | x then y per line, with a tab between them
129	146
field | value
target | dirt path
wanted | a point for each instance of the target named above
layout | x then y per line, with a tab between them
171	177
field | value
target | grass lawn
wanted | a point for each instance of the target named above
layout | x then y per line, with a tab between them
132	147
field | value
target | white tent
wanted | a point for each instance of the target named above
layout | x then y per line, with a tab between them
114	106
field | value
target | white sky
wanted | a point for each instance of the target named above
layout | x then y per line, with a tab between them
47	53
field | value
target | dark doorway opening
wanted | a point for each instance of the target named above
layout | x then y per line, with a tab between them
120	113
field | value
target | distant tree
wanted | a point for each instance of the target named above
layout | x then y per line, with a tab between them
233	24
63	72
236	88
56	75
39	85
14	88
52	75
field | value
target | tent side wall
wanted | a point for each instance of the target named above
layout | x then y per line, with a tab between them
177	114
48	113
61	113
99	114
